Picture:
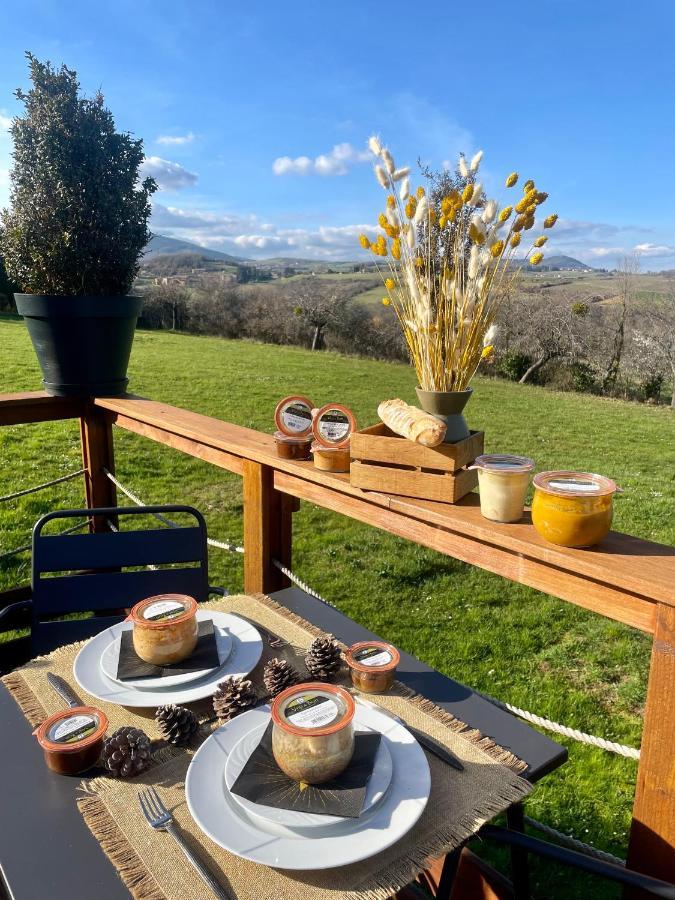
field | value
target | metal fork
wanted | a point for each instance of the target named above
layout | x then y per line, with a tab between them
159	818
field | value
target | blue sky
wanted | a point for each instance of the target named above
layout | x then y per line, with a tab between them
255	115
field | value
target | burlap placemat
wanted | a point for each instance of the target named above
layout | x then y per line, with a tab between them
153	866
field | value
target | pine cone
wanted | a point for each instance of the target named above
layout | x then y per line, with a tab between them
279	675
176	723
233	696
324	658
126	752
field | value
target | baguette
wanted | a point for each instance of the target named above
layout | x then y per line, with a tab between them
412	423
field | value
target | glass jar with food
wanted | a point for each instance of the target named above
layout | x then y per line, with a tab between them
313	731
293	418
165	628
332	428
72	739
573	509
502	484
372	665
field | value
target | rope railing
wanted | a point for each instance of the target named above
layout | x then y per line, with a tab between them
41	487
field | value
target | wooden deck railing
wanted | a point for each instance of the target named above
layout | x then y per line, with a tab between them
625	578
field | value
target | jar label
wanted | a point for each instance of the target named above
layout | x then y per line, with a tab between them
311	712
373	656
573	484
297	417
72	729
334	425
163	609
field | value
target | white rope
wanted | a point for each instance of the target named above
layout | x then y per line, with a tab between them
25	547
581	736
574	844
221	545
299	583
40	487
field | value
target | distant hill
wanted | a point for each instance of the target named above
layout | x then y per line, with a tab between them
559	262
160	245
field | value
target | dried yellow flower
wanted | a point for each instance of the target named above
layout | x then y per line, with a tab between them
411	207
467	193
476	236
541	197
420	192
505	213
386	301
528	223
396	248
550	221
443	221
515	240
496	249
540	241
389	284
419	262
529	184
383	220
363	240
433	216
391	201
522	205
487	351
518	224
536	258
446	204
512	179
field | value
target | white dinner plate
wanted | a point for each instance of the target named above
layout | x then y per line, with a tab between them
110	658
247	647
228	824
377	785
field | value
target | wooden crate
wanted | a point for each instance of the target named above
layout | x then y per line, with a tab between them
384	461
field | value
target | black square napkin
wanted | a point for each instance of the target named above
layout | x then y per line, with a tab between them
262	781
205	656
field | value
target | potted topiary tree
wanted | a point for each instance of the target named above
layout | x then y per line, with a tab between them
74	233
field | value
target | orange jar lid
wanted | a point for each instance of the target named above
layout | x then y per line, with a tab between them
70	730
293	416
162	610
333	425
574	484
312	709
372	656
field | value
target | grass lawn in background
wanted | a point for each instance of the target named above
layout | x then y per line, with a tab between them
505	639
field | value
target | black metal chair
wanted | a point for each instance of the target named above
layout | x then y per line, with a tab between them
103	573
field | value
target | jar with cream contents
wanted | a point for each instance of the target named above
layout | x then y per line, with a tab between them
502	483
332	428
72	739
165	628
372	665
293	418
313	731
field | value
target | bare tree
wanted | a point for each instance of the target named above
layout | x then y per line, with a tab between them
320	305
628	269
654	341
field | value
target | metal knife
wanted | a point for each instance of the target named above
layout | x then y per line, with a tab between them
63	689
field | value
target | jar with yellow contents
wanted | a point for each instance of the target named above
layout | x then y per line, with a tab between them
573	509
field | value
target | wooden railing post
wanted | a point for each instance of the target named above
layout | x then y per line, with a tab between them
97	452
268	529
652	837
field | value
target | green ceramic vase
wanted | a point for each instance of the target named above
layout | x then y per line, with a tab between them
447	406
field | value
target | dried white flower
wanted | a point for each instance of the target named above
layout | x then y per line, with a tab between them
375	145
490	335
381	176
388	161
392	216
420	211
401	173
477	193
462	166
490	211
477	222
475	161
474	261
405	188
410	237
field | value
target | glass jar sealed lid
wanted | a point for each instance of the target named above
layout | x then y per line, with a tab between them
333	425
574	484
368	656
71	730
293	416
313	709
156	612
503	463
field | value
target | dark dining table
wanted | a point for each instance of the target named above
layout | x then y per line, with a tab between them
47	850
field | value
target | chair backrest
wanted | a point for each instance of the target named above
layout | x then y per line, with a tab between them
97	569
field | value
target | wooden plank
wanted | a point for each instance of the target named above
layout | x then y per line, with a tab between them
602	598
379	443
267	530
97	454
652	837
625	564
447	487
37	406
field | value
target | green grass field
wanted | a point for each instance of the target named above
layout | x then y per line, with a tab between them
515	643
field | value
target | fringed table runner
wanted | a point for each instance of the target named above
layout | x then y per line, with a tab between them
152	865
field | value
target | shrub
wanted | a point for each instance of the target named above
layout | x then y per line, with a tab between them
78	218
513	365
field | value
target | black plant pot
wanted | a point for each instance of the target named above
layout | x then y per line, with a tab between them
83	344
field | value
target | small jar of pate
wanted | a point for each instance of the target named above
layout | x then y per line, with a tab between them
313	731
332	428
293	418
165	628
503	481
72	739
372	665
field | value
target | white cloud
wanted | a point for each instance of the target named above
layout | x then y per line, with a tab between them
5	121
176	139
337	162
170	176
661	250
